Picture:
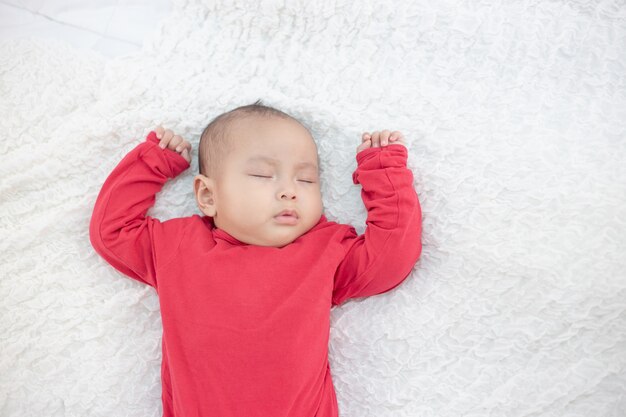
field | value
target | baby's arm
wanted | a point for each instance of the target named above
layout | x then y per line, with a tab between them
119	230
381	258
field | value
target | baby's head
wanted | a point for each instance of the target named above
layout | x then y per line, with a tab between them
256	161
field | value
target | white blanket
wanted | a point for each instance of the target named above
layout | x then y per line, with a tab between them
516	117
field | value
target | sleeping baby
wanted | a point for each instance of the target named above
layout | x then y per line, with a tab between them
246	288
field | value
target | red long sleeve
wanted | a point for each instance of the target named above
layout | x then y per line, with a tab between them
246	327
119	230
381	258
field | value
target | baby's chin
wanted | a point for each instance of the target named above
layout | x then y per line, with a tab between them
277	241
280	243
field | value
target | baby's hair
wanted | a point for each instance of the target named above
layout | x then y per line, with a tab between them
215	142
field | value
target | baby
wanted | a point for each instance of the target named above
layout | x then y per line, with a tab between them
245	290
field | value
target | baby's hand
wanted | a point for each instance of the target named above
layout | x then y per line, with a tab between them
380	139
173	142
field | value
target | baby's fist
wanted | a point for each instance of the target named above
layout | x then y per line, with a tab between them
173	142
380	139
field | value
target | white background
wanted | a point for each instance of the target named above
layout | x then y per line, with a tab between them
110	27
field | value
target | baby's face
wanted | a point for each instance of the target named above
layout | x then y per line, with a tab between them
273	167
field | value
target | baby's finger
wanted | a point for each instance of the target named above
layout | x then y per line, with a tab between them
365	136
376	139
184	144
365	145
384	137
159	131
185	154
167	137
176	141
400	141
395	135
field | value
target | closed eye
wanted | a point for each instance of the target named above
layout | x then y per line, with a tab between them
263	176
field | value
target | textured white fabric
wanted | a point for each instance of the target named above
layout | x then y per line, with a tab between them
516	117
110	27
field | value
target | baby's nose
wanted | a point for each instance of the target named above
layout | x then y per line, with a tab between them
286	189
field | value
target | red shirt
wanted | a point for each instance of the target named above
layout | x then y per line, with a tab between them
246	327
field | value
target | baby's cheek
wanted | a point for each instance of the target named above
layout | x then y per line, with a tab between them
319	204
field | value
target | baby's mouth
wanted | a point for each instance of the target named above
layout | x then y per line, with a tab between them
287	213
287	217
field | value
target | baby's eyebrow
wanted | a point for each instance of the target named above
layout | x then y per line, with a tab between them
276	162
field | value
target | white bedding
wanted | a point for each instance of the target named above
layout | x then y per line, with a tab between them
516	117
108	27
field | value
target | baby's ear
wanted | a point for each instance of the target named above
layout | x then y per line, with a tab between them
204	191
